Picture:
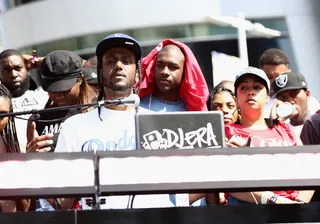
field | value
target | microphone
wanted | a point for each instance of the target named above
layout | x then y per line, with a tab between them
132	100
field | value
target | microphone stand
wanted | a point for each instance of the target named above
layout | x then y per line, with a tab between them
97	193
95	202
35	111
96	158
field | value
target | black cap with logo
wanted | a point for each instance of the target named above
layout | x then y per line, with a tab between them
289	81
119	40
90	75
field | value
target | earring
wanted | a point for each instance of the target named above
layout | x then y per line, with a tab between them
239	113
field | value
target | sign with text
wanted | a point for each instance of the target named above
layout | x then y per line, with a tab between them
180	130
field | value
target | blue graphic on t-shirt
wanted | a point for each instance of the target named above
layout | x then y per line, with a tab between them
124	143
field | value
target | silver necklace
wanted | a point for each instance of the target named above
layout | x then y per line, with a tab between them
150	100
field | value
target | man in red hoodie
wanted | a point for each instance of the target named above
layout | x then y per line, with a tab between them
172	79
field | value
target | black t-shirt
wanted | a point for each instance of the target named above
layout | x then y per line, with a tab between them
47	123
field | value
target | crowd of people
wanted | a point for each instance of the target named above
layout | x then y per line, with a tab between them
168	79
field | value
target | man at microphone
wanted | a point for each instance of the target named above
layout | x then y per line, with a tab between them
108	127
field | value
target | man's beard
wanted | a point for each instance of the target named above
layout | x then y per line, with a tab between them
119	88
19	91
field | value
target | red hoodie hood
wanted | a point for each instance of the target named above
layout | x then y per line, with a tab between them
194	90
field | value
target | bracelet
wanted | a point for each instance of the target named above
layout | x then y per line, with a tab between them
273	199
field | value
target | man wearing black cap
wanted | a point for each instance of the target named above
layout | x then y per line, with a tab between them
91	76
291	87
274	62
90	73
108	128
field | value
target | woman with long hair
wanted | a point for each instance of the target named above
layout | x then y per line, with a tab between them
9	144
8	131
62	78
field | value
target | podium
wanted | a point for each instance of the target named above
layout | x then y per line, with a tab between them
45	175
167	171
306	213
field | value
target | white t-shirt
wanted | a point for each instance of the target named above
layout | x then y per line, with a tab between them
86	132
296	129
30	100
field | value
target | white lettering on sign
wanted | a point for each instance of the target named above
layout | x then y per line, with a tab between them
202	137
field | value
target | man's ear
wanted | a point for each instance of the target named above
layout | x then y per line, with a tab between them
308	94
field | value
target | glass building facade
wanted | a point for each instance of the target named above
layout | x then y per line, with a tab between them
202	38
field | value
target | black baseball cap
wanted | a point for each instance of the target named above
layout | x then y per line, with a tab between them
90	75
60	70
289	81
119	40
